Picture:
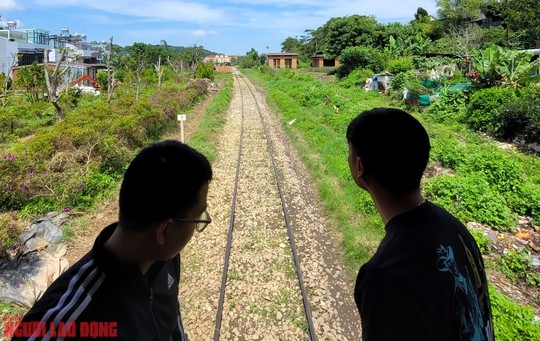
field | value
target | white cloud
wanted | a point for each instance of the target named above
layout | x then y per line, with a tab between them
156	10
204	32
302	14
8	5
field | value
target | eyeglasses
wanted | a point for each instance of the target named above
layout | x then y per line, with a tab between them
200	223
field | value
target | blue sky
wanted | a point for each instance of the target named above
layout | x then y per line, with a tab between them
230	26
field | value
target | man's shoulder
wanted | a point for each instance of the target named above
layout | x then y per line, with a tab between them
70	289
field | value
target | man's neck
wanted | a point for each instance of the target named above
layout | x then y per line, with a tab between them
390	205
129	248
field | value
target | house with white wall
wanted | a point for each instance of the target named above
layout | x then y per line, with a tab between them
22	47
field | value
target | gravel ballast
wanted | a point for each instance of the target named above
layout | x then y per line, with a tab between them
262	298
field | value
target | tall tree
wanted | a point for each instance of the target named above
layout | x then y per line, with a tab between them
176	65
354	30
140	56
54	79
426	24
194	55
523	20
455	12
111	83
290	45
159	71
251	59
467	38
398	31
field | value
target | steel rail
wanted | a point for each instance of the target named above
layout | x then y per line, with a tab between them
307	309
219	312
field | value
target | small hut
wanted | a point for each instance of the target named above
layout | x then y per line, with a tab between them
283	60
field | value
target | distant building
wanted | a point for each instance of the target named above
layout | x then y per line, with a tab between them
318	60
25	45
283	60
28	46
219	59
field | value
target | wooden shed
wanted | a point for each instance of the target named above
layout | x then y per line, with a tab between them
283	60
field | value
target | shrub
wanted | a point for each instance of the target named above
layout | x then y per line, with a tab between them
483	242
450	108
512	321
101	78
120	74
22	119
484	109
470	198
401	64
198	88
505	175
428	63
521	116
397	83
76	161
525	199
517	265
502	172
72	98
356	78
92	187
205	70
448	151
416	89
170	100
358	57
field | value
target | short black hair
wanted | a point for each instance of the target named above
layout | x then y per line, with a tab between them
162	181
393	145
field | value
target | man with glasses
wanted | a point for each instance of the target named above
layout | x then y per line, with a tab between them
126	287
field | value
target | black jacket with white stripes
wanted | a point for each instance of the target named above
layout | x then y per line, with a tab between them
99	289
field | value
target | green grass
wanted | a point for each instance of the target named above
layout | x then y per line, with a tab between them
213	120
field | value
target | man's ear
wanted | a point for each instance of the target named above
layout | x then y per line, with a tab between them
161	231
359	167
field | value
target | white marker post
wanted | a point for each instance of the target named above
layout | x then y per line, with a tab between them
181	118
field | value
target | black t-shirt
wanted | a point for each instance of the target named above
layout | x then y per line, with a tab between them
425	282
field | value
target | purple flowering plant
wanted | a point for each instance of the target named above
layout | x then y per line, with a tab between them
9	233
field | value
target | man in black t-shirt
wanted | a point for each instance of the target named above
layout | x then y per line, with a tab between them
426	280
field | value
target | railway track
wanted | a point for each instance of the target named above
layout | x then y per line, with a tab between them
259	149
248	276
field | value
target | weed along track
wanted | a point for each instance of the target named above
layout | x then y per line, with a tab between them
247	279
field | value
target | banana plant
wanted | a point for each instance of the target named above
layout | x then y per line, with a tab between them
419	43
499	67
485	63
396	47
515	69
